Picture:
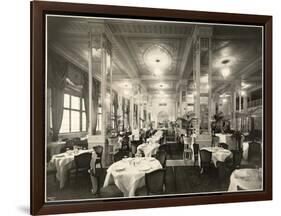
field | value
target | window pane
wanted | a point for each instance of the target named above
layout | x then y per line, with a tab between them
66	100
84	121
75	121
83	104
75	102
99	124
65	122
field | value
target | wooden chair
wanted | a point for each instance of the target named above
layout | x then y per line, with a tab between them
186	150
205	159
120	155
99	151
195	152
154	183
255	154
82	163
236	158
223	145
161	157
69	144
82	143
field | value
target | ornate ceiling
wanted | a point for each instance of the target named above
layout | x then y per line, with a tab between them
158	55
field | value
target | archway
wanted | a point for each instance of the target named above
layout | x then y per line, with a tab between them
162	119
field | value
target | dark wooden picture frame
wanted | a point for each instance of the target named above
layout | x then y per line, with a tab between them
38	12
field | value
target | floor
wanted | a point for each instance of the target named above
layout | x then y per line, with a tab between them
181	177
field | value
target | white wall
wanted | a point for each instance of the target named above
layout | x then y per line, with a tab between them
15	96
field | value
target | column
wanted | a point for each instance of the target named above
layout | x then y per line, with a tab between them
90	83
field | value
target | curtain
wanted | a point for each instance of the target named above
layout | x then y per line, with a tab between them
115	105
85	95
95	100
95	104
57	72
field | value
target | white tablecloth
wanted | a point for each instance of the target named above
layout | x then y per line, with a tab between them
148	149
246	179
156	137
55	147
131	176
65	161
218	154
222	137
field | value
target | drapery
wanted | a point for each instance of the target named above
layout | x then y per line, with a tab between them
57	72
95	105
115	105
85	95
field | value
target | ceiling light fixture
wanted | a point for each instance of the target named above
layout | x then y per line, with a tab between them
225	72
157	71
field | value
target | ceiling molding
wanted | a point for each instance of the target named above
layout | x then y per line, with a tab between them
131	70
159	78
187	51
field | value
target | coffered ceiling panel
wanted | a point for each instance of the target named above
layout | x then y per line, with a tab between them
155	53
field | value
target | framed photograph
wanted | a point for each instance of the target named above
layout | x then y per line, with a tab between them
140	107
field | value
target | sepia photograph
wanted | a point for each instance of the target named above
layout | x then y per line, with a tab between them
138	108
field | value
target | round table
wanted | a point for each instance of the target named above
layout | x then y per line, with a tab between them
65	161
128	174
246	179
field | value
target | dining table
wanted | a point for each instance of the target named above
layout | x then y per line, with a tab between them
148	149
223	137
246	179
128	174
218	154
64	162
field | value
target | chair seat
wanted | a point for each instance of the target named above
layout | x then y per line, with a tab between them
110	191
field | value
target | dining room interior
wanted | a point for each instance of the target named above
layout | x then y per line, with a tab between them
138	108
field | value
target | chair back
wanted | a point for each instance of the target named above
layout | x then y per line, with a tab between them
223	145
195	148
82	144
161	157
163	147
186	142
99	150
120	155
76	139
83	160
254	153
154	181
205	157
69	144
237	157
215	140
